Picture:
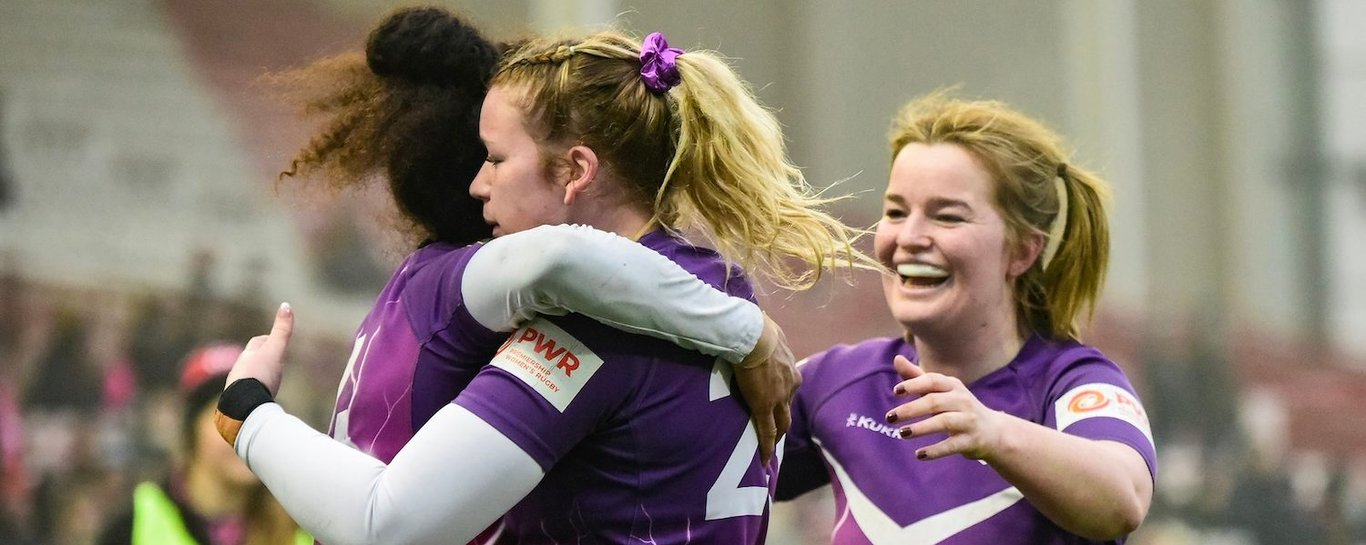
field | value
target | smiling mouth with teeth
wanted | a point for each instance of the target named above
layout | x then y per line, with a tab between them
921	275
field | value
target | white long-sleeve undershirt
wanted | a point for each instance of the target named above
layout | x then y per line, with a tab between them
454	479
556	269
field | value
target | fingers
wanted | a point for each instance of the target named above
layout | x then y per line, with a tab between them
263	356
782	416
956	444
242	367
283	328
280	332
256	342
950	423
971	431
922	406
926	384
941	423
768	379
768	434
905	368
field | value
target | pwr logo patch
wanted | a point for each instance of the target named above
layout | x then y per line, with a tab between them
1101	399
549	359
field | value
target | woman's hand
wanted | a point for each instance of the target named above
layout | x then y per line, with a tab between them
974	430
263	357
768	378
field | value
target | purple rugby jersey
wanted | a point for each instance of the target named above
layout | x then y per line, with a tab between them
413	354
884	495
641	441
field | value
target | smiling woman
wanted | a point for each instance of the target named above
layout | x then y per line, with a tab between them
944	238
1011	430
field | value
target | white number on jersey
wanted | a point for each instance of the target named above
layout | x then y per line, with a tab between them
727	498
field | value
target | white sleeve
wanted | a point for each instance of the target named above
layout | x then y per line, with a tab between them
556	269
454	479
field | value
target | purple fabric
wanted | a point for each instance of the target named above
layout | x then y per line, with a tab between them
413	354
838	419
638	453
659	63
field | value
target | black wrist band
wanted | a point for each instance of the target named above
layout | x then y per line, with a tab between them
243	396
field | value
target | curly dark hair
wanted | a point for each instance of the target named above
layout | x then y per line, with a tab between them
409	109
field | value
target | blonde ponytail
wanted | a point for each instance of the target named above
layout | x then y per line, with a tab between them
731	174
703	155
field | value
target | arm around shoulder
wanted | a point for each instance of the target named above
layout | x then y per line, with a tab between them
556	269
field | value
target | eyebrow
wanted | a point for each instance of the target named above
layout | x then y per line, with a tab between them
934	202
945	202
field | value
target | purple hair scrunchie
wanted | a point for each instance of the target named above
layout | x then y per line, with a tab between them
659	64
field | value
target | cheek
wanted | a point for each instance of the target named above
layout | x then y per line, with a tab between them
890	283
884	243
989	258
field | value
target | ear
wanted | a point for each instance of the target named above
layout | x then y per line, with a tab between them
582	172
1027	251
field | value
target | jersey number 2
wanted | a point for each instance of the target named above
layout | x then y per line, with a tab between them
726	498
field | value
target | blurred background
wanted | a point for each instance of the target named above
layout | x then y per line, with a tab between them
140	216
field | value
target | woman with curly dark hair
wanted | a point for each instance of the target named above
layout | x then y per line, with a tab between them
406	108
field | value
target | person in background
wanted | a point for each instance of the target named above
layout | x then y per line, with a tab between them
988	421
211	497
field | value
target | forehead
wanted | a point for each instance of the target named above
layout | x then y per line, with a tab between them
938	170
501	115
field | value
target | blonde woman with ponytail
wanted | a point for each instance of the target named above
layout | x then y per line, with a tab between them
578	430
988	421
687	148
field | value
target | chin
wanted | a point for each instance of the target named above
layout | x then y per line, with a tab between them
914	316
909	319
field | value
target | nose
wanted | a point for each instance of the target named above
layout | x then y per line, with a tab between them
479	188
914	233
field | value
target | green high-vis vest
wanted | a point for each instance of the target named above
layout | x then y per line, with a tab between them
157	520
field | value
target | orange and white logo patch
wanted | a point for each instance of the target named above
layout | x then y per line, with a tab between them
1101	399
549	359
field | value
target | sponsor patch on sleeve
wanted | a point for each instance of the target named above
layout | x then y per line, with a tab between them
549	360
1101	400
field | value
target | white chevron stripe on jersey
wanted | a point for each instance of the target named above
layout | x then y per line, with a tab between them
880	529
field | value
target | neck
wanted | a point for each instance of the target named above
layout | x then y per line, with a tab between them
969	355
210	495
626	220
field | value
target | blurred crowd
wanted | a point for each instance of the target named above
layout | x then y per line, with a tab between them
89	405
1231	468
